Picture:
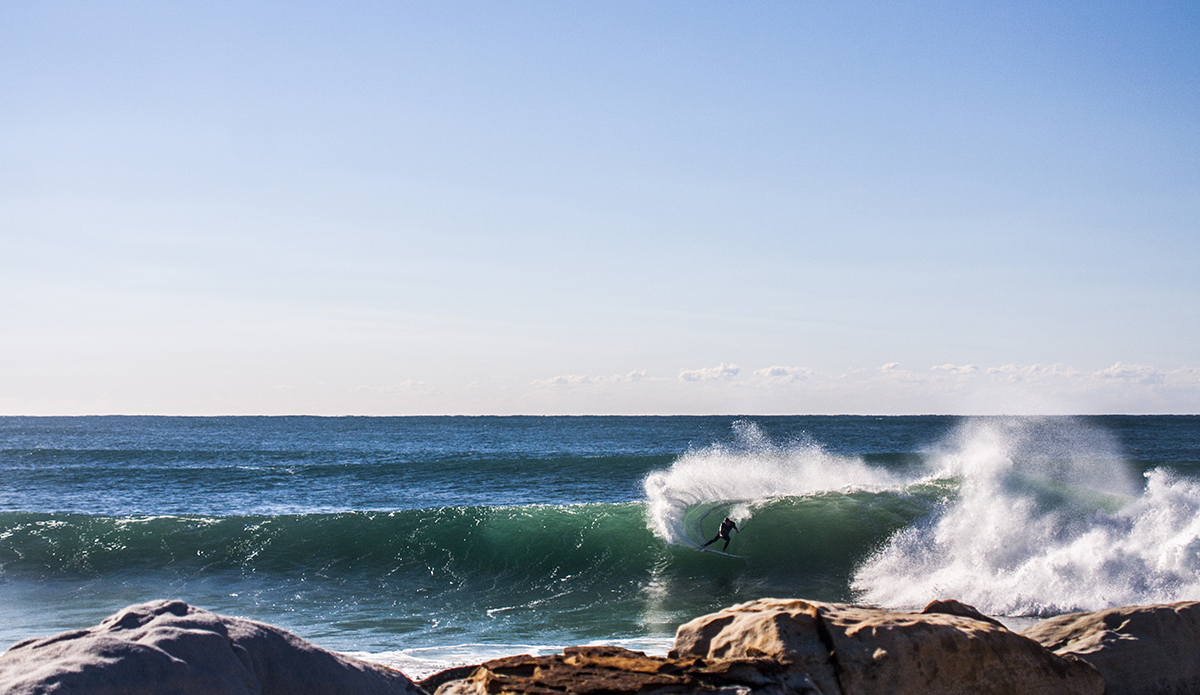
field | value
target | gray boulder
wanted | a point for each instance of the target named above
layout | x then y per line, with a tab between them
170	648
1140	650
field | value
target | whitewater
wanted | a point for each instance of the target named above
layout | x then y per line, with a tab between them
431	542
1026	517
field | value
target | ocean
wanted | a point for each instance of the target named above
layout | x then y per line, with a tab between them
430	542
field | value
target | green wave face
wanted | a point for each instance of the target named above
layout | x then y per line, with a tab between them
556	567
527	544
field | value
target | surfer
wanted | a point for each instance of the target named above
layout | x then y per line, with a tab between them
726	527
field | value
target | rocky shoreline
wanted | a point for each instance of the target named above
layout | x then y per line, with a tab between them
768	646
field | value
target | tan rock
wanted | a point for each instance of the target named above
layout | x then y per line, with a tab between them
852	650
769	628
1139	650
170	647
616	671
953	607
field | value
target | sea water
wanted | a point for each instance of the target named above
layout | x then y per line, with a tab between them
429	542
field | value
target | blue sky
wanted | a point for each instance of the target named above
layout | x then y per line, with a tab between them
611	207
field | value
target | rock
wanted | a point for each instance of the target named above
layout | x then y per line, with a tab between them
169	647
1139	650
430	684
849	650
616	671
952	607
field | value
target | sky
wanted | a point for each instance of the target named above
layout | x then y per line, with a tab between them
669	207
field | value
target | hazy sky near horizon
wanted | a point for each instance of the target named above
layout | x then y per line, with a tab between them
608	207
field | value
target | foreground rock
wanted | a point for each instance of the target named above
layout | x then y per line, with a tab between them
169	647
770	647
953	607
1140	650
616	671
849	650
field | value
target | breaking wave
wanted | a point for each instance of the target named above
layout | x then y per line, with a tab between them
1018	516
1048	518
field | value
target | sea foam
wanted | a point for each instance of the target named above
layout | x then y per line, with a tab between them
1048	519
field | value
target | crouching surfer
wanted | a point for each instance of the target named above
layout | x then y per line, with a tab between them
726	527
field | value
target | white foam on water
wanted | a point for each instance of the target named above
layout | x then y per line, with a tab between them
1049	519
740	475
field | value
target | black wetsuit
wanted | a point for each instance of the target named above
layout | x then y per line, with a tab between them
726	527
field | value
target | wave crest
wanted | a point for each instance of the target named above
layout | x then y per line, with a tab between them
741	476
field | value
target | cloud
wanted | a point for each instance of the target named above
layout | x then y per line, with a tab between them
974	389
784	375
723	372
966	389
955	369
1188	375
570	380
1015	373
892	372
1136	373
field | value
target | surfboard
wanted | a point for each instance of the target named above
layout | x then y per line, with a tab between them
697	546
